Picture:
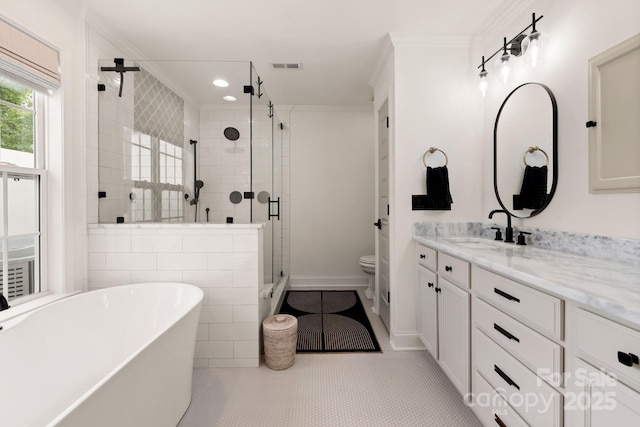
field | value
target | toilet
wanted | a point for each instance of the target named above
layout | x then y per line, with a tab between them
368	265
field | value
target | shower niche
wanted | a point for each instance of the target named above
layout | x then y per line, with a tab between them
173	147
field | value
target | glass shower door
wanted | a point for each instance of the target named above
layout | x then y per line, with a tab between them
262	167
277	222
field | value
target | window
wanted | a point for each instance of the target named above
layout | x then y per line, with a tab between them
156	172
21	186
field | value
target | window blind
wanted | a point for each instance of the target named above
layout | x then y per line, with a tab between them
28	60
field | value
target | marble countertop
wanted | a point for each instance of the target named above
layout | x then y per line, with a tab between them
609	287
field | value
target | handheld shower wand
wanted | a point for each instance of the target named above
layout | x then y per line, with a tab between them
197	183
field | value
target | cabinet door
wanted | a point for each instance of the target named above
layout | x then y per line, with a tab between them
453	337
428	310
601	400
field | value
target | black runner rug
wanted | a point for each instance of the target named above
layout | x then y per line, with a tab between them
330	321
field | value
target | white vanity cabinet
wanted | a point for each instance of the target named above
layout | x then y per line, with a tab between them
539	350
604	389
444	313
510	351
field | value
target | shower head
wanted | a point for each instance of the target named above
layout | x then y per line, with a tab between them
199	184
231	133
120	69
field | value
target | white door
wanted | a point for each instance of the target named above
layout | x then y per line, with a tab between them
384	291
453	334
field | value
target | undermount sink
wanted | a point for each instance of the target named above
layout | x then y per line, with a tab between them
477	243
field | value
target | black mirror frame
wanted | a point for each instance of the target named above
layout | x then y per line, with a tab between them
554	183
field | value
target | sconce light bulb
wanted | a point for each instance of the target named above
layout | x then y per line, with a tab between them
503	65
483	83
532	48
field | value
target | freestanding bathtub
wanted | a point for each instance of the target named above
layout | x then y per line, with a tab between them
121	356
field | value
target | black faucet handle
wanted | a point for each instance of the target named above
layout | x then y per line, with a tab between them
498	233
521	238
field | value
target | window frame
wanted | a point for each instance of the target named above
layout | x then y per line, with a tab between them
40	176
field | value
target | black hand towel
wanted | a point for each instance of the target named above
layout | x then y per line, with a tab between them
533	192
438	187
3	303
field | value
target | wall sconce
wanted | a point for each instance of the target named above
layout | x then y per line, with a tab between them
521	44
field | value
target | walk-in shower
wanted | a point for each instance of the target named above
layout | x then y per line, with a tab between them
171	148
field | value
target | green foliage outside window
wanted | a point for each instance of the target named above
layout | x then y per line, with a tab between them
16	124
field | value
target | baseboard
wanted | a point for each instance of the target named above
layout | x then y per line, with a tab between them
327	282
280	293
406	341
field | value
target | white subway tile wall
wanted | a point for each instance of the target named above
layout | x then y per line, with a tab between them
225	261
223	165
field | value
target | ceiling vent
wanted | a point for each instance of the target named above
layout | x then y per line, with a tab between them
287	66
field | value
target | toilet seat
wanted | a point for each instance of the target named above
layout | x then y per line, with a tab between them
368	265
369	260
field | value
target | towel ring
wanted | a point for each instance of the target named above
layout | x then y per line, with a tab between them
432	150
531	150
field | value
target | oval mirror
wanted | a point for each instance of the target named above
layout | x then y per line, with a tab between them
525	150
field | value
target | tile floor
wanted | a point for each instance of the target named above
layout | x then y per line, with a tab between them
392	388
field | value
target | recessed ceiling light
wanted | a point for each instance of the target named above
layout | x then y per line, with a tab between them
229	98
221	83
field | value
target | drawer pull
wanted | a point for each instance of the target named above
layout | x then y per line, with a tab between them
506	295
505	332
499	421
438	290
627	359
429	284
448	268
422	256
505	377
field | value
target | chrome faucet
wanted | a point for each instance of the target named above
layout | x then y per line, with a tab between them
508	232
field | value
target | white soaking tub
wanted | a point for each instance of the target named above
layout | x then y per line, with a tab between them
121	356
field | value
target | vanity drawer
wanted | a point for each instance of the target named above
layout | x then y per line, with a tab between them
601	339
534	400
491	408
533	307
426	257
454	269
524	343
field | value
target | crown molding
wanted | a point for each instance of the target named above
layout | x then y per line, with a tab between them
368	108
400	39
506	18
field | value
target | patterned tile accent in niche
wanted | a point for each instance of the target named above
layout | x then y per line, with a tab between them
159	112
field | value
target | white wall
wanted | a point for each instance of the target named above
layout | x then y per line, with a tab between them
434	100
430	105
332	194
224	166
61	25
578	30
